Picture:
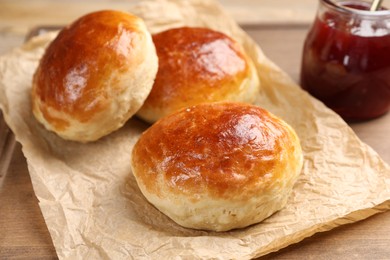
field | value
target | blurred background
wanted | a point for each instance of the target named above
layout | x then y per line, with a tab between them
17	17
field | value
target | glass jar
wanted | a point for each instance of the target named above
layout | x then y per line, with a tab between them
346	59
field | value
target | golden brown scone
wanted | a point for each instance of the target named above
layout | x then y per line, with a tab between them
94	75
198	65
218	166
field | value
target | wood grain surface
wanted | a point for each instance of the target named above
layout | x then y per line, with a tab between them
23	233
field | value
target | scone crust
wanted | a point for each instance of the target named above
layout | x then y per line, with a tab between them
198	65
218	158
94	75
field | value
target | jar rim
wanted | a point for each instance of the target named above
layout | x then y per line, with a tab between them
348	10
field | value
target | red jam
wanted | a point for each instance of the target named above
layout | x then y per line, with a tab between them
346	63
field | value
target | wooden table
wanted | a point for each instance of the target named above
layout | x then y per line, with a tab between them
23	233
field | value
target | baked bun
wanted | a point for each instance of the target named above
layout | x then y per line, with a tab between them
94	75
217	166
198	65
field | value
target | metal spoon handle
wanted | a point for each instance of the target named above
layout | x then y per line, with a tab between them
375	5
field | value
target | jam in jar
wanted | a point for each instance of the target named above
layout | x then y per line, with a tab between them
346	59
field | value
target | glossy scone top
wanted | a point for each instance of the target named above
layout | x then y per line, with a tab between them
198	65
90	71
218	158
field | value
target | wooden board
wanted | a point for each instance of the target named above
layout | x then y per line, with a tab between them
23	233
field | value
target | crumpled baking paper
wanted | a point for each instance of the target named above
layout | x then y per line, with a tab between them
94	209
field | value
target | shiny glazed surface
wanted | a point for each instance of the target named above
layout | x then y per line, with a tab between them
224	149
346	63
74	75
195	65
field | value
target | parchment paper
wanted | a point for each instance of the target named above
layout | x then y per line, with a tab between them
94	209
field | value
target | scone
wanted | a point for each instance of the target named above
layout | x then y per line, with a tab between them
198	65
94	75
218	166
